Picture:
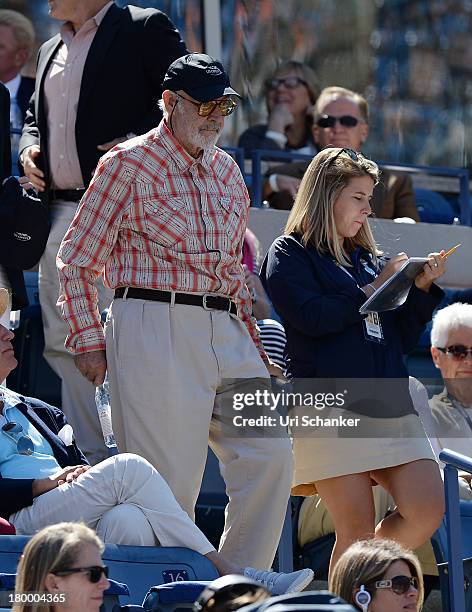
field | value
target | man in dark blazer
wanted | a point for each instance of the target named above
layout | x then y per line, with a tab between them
97	84
14	278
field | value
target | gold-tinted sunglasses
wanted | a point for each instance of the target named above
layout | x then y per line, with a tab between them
227	106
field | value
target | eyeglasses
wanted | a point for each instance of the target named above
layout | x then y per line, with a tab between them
94	572
398	584
15	431
226	105
290	82
458	352
328	121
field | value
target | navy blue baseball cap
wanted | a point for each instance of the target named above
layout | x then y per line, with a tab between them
199	75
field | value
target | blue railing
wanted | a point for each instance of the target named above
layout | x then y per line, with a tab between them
461	174
453	463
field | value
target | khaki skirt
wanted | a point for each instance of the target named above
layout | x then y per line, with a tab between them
338	448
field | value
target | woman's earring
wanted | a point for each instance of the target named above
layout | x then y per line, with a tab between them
363	598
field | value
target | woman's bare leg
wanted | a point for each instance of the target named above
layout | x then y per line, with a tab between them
417	489
350	503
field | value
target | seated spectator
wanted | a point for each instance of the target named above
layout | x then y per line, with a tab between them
290	94
451	410
342	120
379	576
64	561
44	478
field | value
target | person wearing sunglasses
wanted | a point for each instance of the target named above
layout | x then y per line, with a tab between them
341	119
290	93
63	564
449	424
164	221
317	275
379	576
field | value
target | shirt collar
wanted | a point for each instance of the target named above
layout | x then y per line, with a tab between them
13	86
179	155
67	31
10	400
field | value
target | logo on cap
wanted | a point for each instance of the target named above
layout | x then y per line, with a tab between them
214	70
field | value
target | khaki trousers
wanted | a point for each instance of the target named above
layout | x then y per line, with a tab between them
167	367
78	394
125	499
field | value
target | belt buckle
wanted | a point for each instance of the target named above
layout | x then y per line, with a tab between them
204	301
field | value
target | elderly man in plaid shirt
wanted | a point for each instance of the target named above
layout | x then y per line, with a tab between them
163	220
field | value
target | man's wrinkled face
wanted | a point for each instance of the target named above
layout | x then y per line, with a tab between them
193	131
449	366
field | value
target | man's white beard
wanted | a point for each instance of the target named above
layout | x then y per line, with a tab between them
206	140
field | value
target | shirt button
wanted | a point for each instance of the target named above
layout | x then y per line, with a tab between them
61	156
61	125
63	95
154	210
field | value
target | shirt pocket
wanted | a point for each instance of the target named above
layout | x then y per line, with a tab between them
165	217
234	218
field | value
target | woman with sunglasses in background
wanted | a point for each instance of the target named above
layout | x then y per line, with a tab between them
62	566
379	576
290	94
341	119
317	276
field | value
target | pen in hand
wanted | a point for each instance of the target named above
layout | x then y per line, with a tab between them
451	251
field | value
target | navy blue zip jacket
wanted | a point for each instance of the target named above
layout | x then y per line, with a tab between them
319	303
16	494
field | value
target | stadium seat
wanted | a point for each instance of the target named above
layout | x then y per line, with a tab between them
433	207
308	600
174	596
139	567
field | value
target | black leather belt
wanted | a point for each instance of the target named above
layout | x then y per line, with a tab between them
208	302
69	195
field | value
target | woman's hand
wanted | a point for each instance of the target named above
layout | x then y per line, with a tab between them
391	267
435	268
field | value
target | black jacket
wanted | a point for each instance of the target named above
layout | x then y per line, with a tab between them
15	277
16	494
25	91
120	87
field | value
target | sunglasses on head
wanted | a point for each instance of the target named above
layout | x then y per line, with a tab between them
94	572
226	105
458	351
328	121
398	584
15	431
289	82
349	152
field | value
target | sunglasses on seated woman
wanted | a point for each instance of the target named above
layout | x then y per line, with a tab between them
398	584
328	121
94	572
227	106
290	82
458	351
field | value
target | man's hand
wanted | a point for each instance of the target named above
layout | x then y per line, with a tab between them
106	146
92	365
67	474
288	183
35	175
275	370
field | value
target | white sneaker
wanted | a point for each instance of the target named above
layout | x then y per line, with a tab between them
279	583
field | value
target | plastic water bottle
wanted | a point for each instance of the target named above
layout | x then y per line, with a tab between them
102	400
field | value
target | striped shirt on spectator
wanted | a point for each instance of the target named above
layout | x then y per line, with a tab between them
156	218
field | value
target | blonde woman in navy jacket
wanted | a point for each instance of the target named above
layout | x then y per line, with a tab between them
318	275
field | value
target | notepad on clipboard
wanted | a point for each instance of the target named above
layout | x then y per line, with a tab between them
394	291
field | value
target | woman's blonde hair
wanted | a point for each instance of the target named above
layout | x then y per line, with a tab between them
366	561
312	214
52	549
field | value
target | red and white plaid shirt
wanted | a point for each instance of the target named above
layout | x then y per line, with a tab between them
157	218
